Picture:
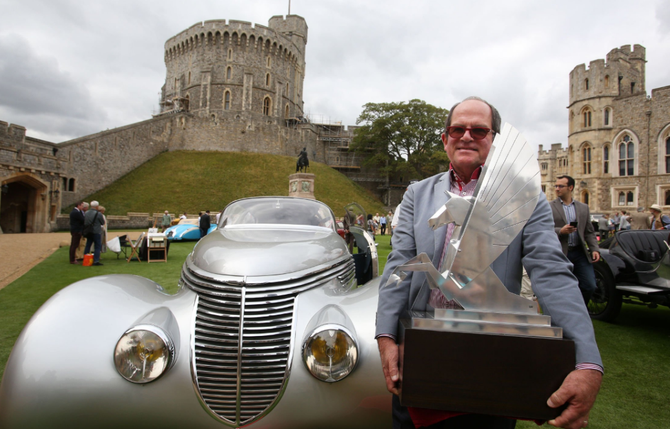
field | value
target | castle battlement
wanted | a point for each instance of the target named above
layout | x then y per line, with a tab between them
622	74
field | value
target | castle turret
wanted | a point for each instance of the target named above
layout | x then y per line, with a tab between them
220	67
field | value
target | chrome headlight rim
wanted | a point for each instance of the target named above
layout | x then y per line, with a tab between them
164	337
326	327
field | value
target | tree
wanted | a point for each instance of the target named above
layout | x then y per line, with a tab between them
402	139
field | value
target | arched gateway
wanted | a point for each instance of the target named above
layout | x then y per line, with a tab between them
24	204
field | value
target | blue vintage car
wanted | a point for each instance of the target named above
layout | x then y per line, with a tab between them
186	229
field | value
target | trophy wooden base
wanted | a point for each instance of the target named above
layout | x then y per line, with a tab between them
502	375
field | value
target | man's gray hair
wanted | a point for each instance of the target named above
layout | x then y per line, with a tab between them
94	204
495	115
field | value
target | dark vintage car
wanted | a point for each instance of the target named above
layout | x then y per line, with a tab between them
272	327
635	268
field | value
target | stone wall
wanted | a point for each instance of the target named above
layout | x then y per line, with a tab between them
620	113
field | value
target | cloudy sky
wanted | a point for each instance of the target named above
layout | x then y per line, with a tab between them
71	67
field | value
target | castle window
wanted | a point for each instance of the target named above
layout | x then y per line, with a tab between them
667	198
70	185
544	188
229	73
585	197
587	117
607	81
267	79
230	54
267	106
625	197
632	87
287	89
626	157
586	159
269	62
226	100
64	185
607	116
606	159
189	78
667	155
544	166
586	84
286	111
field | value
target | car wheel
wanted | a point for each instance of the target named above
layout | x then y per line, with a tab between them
605	302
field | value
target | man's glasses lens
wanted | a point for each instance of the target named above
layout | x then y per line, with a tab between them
477	133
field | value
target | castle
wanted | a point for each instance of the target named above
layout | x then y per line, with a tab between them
230	86
234	86
619	138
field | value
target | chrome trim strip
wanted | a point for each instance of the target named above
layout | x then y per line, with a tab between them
240	350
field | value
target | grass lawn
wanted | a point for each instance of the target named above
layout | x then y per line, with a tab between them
636	349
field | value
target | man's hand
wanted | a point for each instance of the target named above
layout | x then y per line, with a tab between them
567	229
388	350
596	256
579	391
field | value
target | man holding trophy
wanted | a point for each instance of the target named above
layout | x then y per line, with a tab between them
470	130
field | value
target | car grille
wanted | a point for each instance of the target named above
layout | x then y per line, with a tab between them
240	381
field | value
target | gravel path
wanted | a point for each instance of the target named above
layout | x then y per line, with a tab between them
20	252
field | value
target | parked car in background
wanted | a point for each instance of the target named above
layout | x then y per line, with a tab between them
186	229
269	329
634	269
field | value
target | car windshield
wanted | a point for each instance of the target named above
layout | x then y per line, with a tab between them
188	222
278	211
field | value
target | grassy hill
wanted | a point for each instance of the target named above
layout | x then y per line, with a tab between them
197	181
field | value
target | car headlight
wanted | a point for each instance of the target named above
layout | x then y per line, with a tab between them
330	353
143	353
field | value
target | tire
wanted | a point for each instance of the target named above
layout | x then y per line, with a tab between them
605	304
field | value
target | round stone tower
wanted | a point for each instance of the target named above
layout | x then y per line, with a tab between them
226	67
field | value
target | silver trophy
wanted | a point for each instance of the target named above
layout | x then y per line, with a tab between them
492	317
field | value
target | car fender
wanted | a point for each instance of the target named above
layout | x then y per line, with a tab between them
62	363
613	263
358	400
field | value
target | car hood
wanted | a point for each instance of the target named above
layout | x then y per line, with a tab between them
267	251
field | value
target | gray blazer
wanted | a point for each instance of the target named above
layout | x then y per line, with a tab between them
536	246
584	226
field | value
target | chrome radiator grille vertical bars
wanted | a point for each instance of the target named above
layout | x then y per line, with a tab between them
239	381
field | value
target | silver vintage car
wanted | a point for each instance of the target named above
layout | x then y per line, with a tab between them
270	328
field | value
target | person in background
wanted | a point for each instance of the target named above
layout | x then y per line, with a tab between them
389	220
96	221
103	236
182	217
624	225
572	223
165	222
603	226
639	220
82	243
382	224
76	229
371	225
204	224
658	219
616	220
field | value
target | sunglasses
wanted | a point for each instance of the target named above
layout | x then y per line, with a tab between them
477	133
